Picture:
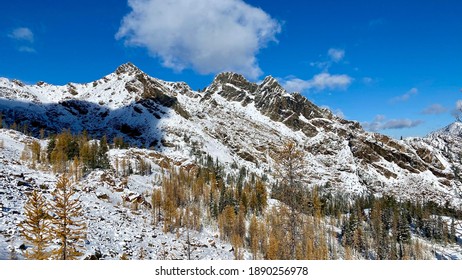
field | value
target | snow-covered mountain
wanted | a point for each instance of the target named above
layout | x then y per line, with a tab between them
236	122
454	129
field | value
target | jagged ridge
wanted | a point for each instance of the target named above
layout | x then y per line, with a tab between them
236	120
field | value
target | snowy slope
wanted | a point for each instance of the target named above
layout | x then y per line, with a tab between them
115	227
234	120
454	129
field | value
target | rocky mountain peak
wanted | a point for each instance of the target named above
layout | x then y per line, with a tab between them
454	129
128	68
236	80
272	85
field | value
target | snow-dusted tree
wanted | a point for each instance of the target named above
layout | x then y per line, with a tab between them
36	226
68	225
290	173
259	197
156	201
102	160
36	151
255	236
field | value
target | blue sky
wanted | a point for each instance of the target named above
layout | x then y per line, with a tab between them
395	66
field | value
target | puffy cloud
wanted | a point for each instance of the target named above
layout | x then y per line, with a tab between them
325	80
434	109
208	36
381	123
405	97
336	55
295	85
319	82
22	34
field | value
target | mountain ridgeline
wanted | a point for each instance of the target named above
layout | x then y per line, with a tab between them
237	170
237	121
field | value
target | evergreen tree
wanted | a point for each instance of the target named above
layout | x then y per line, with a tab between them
254	236
102	154
260	196
50	147
68	224
452	232
36	227
36	151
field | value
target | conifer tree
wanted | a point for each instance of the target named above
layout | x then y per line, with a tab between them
50	147
75	169
227	223
26	154
254	236
260	196
68	224
156	201
272	247
102	156
290	173
36	151
36	227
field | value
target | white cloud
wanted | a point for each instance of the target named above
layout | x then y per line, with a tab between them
325	65
435	109
336	55
459	105
327	81
208	36
368	80
381	123
26	49
338	112
457	112
319	82
295	85
22	34
401	123
405	97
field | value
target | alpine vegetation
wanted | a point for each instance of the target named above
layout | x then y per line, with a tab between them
133	167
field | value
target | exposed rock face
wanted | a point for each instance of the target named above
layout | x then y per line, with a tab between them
127	68
271	99
235	120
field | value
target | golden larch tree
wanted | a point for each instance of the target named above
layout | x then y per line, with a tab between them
290	173
68	224
36	226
